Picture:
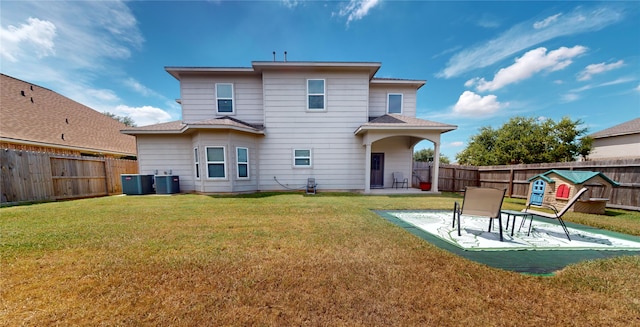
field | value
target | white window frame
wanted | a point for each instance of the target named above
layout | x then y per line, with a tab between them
238	163
196	160
401	103
233	101
310	158
323	94
223	162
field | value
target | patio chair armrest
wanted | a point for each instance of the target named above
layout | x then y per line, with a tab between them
548	206
552	207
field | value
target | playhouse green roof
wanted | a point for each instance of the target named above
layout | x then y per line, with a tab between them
574	176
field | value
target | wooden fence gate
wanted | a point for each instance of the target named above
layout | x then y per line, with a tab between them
39	176
78	177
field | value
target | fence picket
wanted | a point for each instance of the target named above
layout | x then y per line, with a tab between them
38	176
514	178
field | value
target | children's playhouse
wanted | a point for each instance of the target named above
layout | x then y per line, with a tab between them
557	187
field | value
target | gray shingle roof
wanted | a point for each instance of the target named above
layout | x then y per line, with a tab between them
404	121
629	127
177	127
394	121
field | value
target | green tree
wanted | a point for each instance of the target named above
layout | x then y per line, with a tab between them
427	155
123	119
524	140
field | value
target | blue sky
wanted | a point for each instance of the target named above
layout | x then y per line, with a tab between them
484	62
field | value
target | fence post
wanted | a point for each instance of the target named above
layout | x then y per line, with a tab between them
511	175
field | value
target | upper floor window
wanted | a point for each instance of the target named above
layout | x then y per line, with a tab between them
216	162
224	97
394	103
242	158
302	158
315	94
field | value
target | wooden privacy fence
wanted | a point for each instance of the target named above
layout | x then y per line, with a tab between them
514	178
39	176
451	178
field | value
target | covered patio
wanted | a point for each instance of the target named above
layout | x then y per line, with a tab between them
389	141
399	191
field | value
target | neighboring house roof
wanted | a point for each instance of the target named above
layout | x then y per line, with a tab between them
626	128
394	121
33	115
178	127
574	176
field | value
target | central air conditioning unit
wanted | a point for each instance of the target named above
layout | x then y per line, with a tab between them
135	184
167	184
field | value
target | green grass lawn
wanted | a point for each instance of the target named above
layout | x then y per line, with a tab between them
282	259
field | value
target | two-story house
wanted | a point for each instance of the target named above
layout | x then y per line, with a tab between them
273	125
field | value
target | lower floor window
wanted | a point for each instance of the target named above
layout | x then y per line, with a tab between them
302	158
197	162
243	162
216	162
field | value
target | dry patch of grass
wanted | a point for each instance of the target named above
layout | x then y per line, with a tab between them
278	259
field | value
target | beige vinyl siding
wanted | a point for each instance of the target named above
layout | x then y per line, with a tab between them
199	99
228	140
167	153
378	99
337	154
622	146
396	158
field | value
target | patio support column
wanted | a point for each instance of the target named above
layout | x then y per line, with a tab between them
436	166
367	167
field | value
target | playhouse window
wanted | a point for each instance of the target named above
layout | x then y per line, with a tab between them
562	192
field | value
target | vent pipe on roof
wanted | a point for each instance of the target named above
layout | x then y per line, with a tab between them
285	56
274	56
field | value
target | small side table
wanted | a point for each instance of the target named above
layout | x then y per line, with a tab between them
514	214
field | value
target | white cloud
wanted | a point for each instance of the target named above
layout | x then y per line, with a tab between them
488	21
75	48
456	144
524	36
356	9
638	88
102	95
290	3
610	83
594	69
530	63
141	89
471	104
574	94
145	115
34	37
570	97
546	22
